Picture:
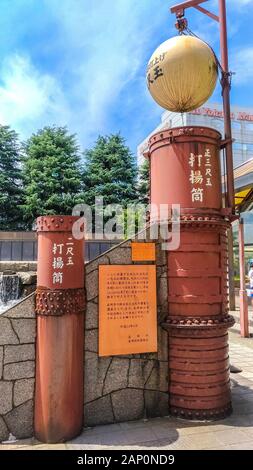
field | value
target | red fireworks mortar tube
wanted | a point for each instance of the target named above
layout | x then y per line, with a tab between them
185	170
60	304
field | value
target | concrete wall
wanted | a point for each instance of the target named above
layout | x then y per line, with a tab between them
118	388
17	370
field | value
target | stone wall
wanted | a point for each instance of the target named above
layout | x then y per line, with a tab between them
18	266
17	370
27	273
122	388
28	281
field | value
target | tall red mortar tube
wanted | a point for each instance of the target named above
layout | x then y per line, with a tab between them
60	304
185	170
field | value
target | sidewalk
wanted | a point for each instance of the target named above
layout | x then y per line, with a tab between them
233	433
236	328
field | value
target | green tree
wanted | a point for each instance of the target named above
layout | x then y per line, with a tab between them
51	173
133	219
143	182
110	171
10	180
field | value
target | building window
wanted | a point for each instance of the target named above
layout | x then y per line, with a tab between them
248	126
236	125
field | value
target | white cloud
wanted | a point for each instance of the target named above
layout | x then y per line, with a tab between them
97	63
240	3
100	49
242	65
234	3
109	42
27	97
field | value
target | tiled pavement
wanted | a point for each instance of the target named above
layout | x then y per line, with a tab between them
233	433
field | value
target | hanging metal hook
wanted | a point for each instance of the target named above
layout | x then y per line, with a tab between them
181	24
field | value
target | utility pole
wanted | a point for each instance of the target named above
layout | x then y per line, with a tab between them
244	318
226	85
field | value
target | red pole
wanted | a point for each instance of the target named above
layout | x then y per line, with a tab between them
226	103
244	318
60	304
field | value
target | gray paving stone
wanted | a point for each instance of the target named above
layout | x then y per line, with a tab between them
98	412
23	391
139	372
91	283
91	316
113	438
92	265
120	255
7	334
134	398
20	420
19	370
163	347
158	379
25	329
231	436
140	423
1	361
21	352
91	341
241	446
117	375
5	396
24	309
156	403
4	433
162	291
137	435
94	373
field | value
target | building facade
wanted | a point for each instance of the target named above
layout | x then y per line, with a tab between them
211	115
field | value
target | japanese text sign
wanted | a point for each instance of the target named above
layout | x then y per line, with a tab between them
62	264
127	309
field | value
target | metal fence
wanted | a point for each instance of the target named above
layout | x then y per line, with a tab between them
26	250
96	248
21	250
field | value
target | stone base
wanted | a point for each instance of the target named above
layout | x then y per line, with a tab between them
202	415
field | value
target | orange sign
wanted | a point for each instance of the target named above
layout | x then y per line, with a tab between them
127	309
143	251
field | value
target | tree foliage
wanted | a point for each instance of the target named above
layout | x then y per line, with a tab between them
10	180
51	173
143	182
110	172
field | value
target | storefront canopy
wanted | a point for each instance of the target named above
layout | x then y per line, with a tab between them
243	180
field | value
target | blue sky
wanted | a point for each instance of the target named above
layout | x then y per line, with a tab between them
81	63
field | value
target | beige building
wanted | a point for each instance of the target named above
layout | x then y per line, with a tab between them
211	115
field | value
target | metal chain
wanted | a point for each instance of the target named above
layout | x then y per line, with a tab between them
191	33
223	76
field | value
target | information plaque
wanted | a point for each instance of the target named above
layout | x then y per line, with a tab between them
127	309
